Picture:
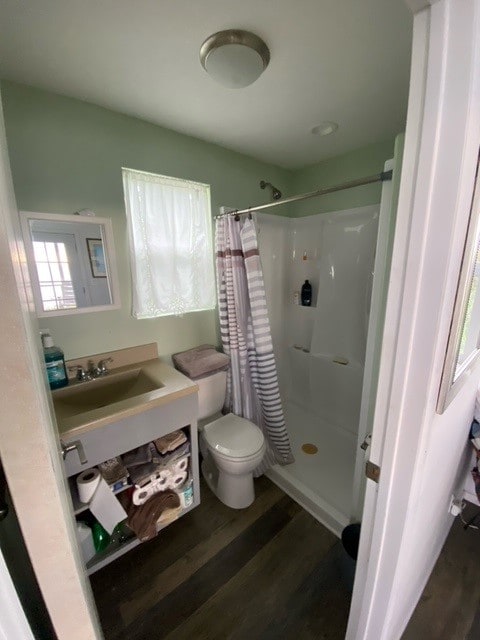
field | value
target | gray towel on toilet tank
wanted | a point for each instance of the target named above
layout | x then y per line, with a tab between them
201	361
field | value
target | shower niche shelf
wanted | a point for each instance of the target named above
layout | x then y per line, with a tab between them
303	350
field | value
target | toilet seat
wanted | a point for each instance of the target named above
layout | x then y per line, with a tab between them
233	437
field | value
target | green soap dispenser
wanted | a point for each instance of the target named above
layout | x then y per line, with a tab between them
55	362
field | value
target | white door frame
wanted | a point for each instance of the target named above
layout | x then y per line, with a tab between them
441	147
374	335
29	445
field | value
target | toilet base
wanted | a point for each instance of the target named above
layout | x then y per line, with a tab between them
235	491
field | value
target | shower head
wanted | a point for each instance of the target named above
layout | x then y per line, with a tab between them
276	193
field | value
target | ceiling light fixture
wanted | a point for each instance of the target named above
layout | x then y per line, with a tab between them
324	128
234	58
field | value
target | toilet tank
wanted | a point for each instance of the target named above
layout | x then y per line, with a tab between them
211	394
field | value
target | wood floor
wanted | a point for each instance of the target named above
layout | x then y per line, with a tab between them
449	608
270	571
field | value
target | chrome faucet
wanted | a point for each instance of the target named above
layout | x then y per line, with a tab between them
102	366
92	371
96	371
80	374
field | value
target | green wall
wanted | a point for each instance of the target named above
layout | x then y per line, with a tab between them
67	155
349	166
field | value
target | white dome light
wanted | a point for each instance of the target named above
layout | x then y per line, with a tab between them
234	58
324	128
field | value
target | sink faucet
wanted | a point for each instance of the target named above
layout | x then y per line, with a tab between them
92	371
102	366
81	374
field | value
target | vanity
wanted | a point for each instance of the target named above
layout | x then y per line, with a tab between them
139	400
115	402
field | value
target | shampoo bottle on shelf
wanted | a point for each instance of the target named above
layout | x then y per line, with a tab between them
306	294
55	363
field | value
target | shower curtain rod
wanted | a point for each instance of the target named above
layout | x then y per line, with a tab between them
378	177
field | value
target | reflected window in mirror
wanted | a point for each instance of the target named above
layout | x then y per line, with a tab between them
54	274
72	263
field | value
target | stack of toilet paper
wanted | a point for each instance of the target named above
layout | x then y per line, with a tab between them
170	477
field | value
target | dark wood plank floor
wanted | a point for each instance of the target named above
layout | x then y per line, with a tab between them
449	608
267	572
270	571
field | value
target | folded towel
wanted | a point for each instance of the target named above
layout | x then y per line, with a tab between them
143	520
171	456
201	361
138	456
169	515
170	442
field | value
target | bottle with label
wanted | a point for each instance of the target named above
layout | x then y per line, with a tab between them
185	493
306	294
55	363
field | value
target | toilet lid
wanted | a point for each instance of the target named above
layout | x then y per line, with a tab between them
233	436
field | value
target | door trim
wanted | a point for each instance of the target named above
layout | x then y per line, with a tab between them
29	441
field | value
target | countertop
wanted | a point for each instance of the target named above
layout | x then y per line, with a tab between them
174	385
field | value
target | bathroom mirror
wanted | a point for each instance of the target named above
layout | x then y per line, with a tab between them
71	261
463	351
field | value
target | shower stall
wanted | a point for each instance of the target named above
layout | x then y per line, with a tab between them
325	352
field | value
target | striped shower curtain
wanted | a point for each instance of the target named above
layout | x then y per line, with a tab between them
252	388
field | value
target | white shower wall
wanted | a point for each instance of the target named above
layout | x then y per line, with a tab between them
320	350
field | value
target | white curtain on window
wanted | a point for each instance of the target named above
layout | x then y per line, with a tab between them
170	233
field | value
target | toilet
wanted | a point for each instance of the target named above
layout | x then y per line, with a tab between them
232	447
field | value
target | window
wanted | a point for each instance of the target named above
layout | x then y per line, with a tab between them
53	268
171	251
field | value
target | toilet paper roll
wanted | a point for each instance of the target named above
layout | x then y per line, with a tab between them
141	495
87	483
163	479
158	483
180	465
176	480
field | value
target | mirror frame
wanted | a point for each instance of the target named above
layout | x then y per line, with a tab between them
451	385
109	252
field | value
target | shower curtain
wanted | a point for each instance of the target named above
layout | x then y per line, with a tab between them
252	387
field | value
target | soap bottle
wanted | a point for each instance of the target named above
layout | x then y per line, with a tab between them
306	294
55	362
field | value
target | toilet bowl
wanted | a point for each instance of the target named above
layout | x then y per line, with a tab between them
236	447
232	447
